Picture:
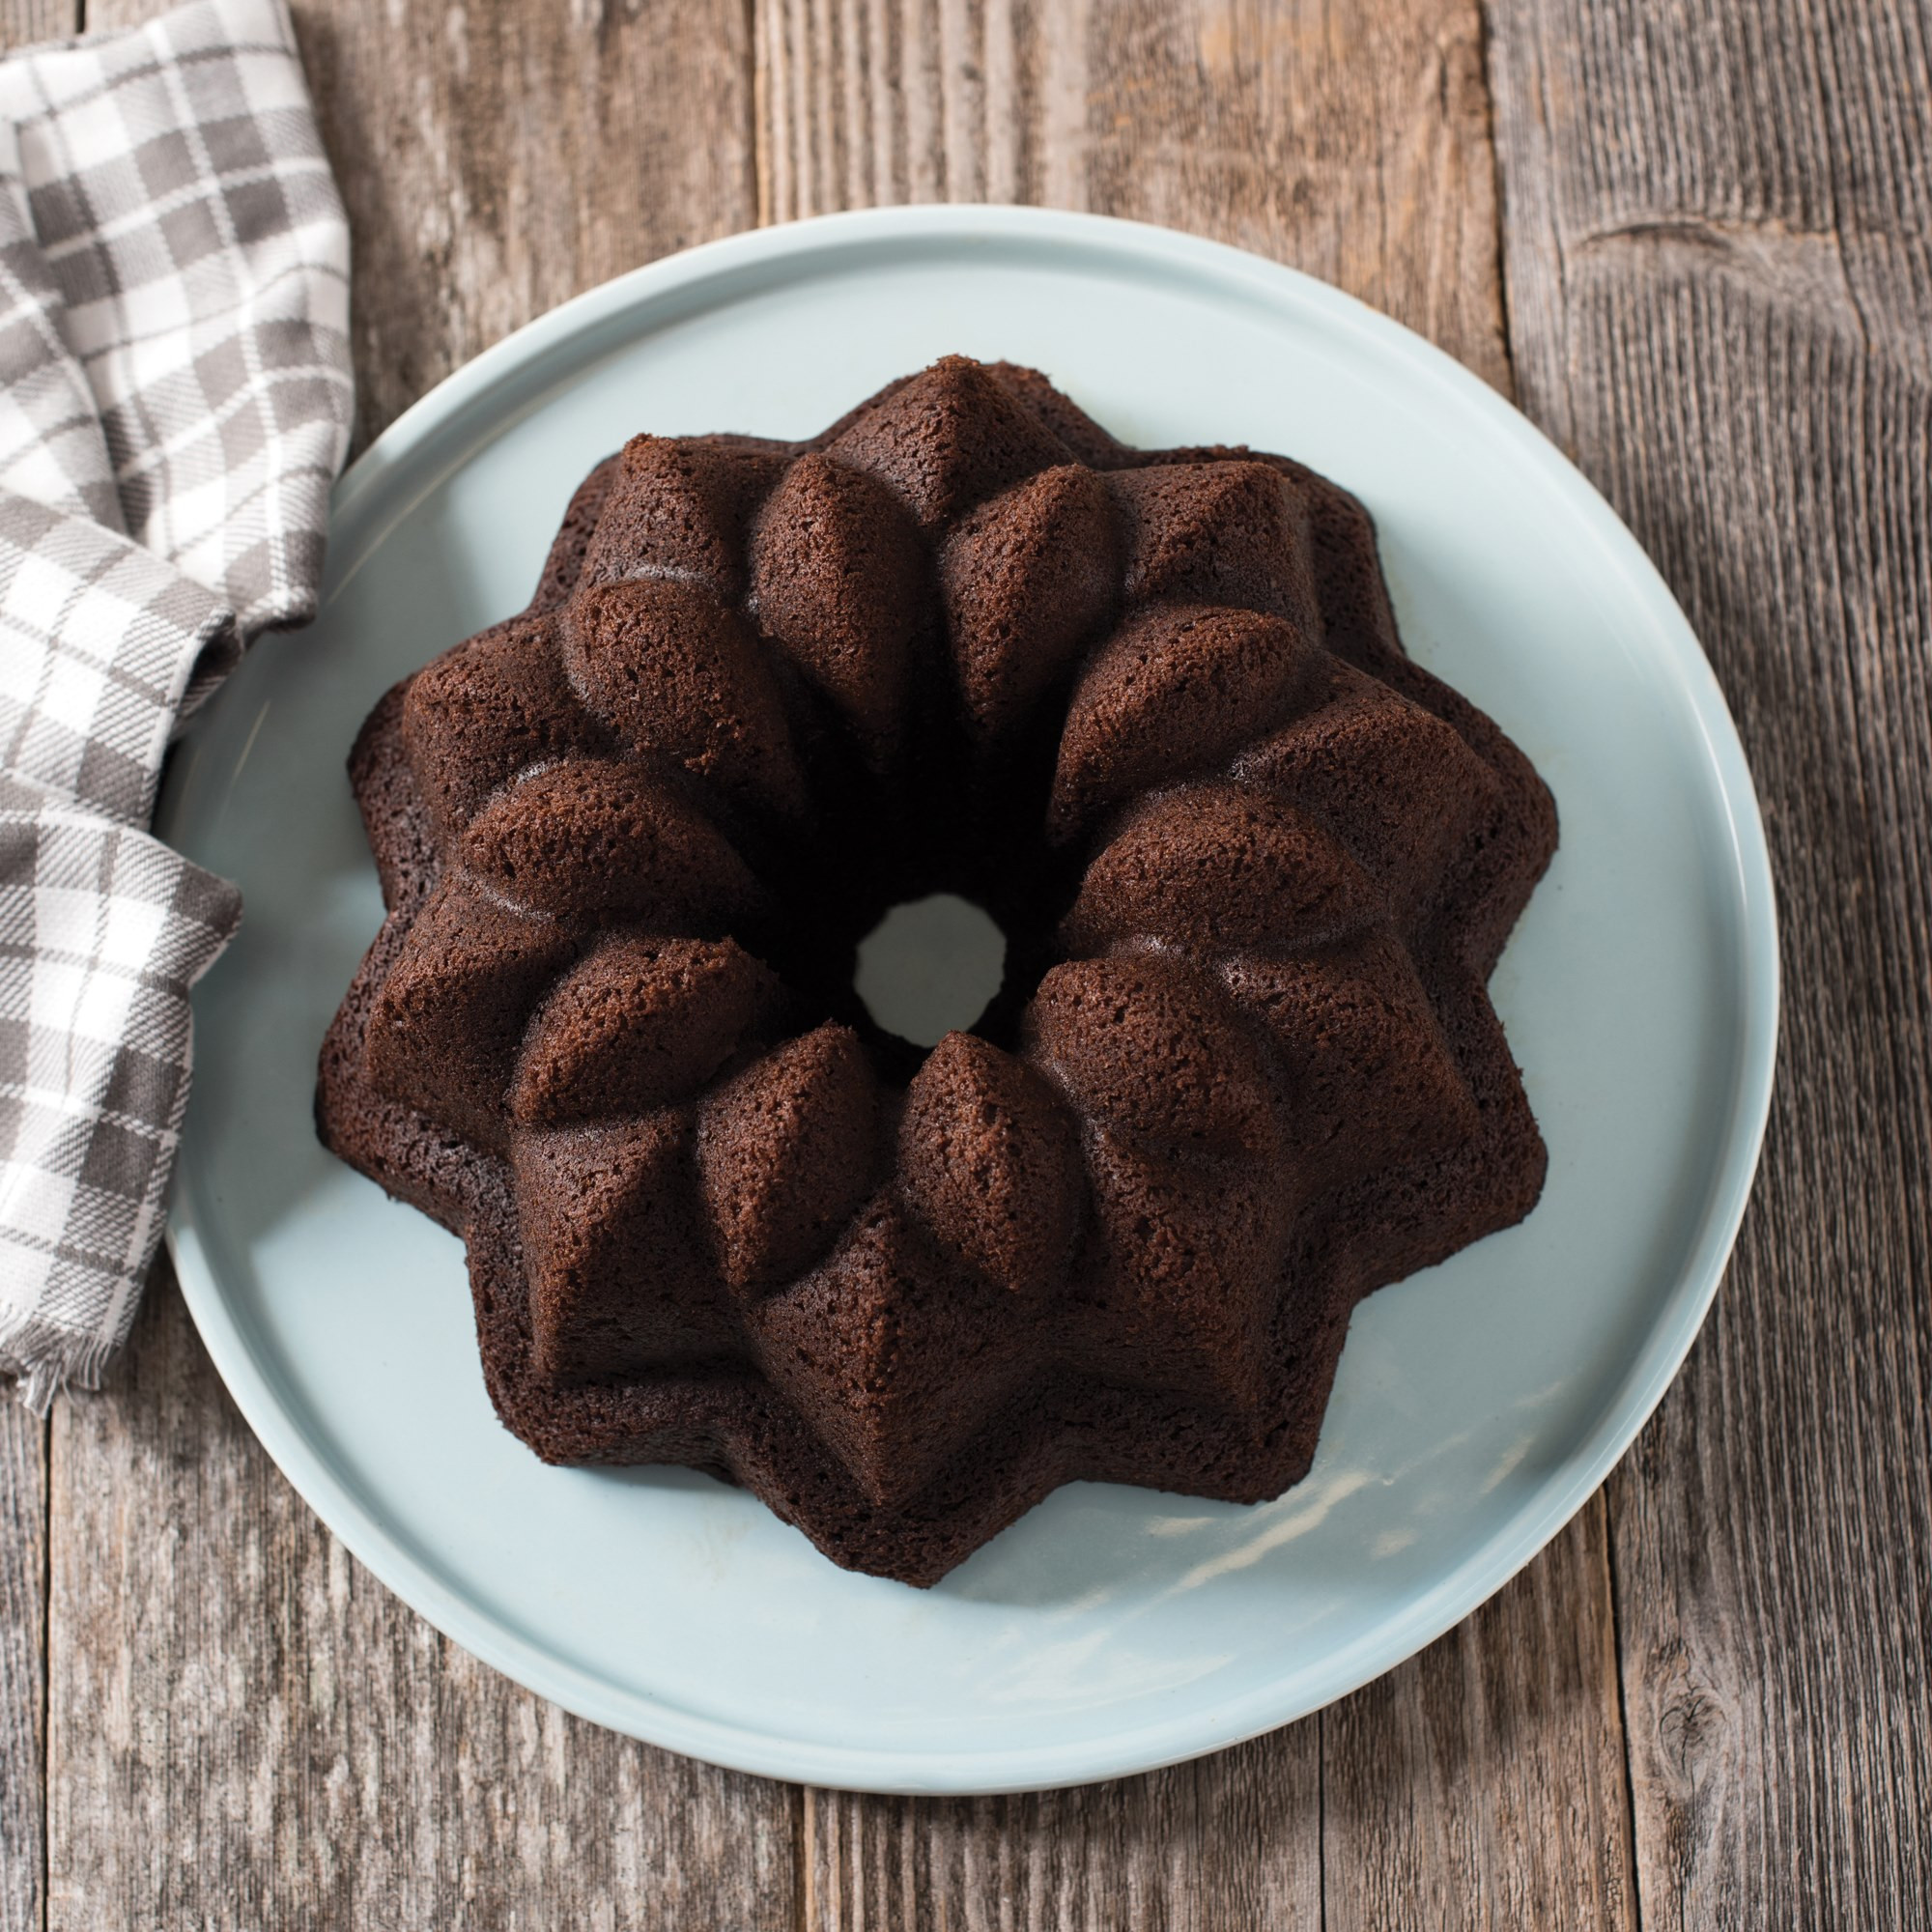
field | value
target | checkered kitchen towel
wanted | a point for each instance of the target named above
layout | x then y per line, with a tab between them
174	403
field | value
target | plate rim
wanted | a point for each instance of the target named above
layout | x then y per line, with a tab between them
1453	1596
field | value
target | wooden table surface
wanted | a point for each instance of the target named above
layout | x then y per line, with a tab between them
1693	243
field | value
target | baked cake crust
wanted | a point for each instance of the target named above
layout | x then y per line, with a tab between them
1255	866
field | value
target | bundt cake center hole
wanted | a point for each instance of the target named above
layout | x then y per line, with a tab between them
931	967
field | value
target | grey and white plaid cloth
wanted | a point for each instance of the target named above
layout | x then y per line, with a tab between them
175	402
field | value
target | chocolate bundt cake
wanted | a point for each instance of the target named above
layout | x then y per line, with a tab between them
1254	867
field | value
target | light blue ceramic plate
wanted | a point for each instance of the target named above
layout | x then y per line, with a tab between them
1113	1629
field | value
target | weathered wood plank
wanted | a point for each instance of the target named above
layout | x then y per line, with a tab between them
1227	1841
1352	141
245	1728
248	1730
23	1658
1720	281
1506	1731
22	22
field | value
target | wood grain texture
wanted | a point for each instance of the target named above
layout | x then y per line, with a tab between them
1350	137
1483	1782
22	22
247	1730
1229	1841
23	1658
1720	259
